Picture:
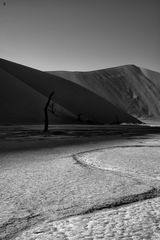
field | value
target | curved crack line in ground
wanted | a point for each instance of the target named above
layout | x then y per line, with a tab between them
109	147
14	226
112	169
117	203
130	174
128	146
124	201
115	171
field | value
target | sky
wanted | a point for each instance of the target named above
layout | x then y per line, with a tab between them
80	35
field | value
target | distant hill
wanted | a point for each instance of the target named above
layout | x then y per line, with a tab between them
130	88
24	92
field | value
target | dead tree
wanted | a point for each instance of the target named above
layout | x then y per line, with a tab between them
79	117
46	111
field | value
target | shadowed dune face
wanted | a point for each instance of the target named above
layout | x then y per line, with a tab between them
73	97
132	89
20	103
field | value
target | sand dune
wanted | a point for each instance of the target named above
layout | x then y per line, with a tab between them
73	97
19	103
130	88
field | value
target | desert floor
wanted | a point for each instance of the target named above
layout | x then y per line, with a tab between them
80	182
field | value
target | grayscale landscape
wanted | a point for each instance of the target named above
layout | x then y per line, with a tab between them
79	120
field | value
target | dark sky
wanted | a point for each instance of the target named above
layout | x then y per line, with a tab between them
80	34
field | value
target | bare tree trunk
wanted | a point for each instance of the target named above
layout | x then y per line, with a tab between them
46	112
79	117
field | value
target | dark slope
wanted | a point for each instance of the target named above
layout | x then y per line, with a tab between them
135	90
19	103
70	95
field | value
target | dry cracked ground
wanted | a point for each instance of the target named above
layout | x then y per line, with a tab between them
77	183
